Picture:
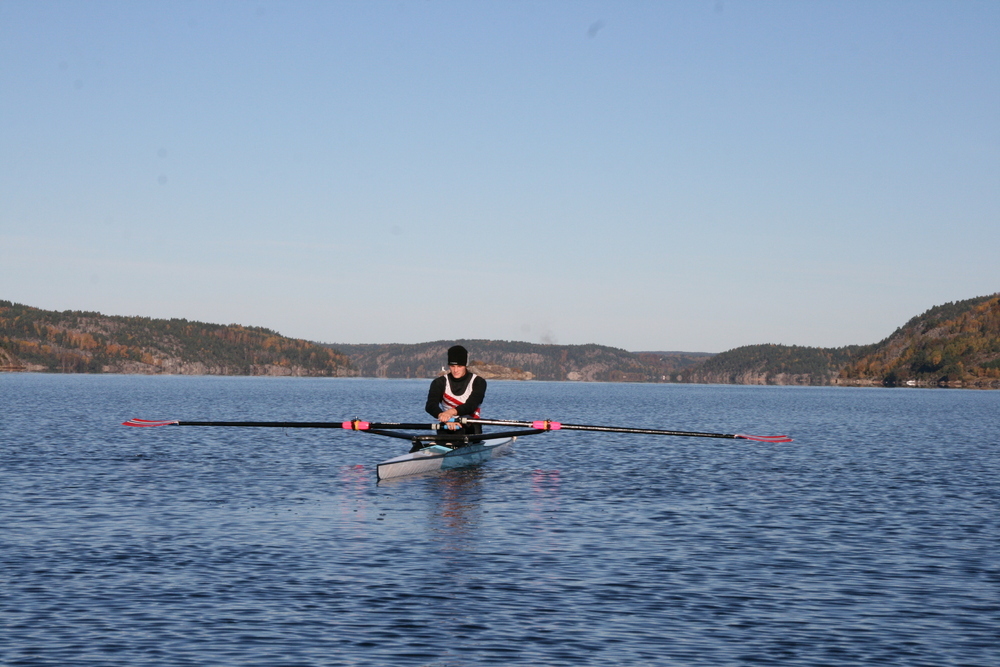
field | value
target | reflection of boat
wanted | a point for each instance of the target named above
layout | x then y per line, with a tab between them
439	457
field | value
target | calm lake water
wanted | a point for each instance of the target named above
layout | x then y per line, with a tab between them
874	538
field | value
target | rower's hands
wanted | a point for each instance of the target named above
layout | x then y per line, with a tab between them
447	416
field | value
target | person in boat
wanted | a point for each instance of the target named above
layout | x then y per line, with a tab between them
459	393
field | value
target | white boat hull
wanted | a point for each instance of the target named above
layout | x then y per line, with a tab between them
437	457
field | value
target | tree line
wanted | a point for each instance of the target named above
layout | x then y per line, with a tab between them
87	342
954	344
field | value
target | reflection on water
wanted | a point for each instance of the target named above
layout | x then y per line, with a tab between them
455	512
355	506
544	498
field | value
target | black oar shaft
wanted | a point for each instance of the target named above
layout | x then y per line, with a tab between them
602	429
266	424
337	425
648	431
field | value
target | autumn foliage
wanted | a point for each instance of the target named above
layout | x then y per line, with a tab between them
83	342
953	344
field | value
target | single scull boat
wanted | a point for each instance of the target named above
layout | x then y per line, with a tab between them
440	457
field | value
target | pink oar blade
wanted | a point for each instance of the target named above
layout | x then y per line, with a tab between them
150	422
764	438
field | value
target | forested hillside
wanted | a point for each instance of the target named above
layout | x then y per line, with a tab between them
81	342
774	364
670	366
507	360
955	344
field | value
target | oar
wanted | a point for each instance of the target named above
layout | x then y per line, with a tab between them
352	425
548	425
537	426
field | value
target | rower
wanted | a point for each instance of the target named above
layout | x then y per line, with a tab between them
458	393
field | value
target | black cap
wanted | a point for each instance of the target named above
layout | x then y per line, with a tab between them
458	355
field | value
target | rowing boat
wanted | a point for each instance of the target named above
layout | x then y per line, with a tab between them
439	457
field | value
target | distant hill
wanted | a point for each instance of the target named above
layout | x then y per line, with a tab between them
517	360
952	345
670	366
955	344
773	364
32	339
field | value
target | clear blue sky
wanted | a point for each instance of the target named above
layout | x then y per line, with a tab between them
648	175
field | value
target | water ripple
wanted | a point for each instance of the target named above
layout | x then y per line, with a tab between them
871	540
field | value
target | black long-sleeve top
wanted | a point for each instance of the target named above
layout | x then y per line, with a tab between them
436	394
